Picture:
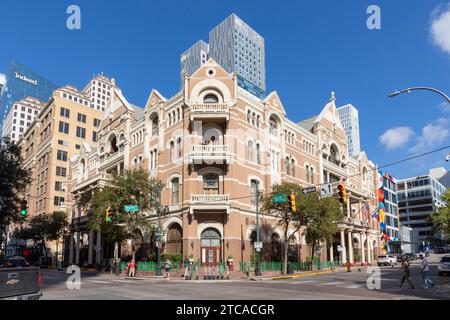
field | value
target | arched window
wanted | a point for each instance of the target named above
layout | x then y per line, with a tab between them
210	98
312	174
249	116
175	191
174	239
83	166
287	163
179	148
155	126
253	119
172	151
258	153
254	186
273	127
178	114
170	119
258	121
113	144
293	167
307	173
250	150
334	155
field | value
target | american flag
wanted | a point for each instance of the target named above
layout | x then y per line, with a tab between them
366	211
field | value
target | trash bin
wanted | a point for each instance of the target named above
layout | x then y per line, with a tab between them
290	268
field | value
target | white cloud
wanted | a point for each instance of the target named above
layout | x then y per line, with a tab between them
433	134
440	28
396	137
445	107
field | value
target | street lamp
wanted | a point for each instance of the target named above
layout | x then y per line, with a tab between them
258	249
158	234
408	90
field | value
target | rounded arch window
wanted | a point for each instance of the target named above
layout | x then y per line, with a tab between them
273	126
174	239
155	125
113	144
211	98
334	155
210	238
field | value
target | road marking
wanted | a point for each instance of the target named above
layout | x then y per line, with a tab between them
355	286
331	283
99	281
301	282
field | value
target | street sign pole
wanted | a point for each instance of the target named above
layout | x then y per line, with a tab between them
257	266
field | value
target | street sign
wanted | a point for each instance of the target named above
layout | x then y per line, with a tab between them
309	190
339	248
280	198
258	245
131	208
326	190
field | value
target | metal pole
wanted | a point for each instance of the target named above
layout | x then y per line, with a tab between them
158	236
408	90
257	266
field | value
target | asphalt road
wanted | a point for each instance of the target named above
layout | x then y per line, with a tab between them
337	285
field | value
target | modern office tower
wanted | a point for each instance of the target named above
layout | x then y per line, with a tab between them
99	91
350	121
391	211
418	198
66	124
2	82
237	48
22	82
194	58
20	117
441	175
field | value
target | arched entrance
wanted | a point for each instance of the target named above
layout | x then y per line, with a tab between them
174	243
210	246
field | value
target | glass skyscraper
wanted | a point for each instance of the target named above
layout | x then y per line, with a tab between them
22	82
350	121
237	48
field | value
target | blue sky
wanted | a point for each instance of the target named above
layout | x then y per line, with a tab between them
312	48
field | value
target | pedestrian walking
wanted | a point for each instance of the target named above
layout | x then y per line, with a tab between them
132	268
167	265
425	269
186	266
406	273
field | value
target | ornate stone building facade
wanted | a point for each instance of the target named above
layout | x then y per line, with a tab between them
212	144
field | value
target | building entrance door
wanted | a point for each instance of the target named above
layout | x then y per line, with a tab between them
211	248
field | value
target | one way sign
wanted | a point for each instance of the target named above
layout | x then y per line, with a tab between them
326	190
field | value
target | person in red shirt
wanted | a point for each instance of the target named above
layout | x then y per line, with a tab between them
132	268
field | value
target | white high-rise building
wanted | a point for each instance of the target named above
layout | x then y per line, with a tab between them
20	117
99	90
2	82
350	121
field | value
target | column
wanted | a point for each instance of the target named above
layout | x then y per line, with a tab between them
359	210
91	244
363	255
369	250
77	250
349	214
98	257
344	252
71	249
350	246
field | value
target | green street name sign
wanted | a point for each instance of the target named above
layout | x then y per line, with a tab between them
131	208
280	198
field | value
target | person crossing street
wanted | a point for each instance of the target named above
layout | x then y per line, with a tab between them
406	273
425	269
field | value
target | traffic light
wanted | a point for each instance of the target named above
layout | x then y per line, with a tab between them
24	208
108	214
342	194
291	200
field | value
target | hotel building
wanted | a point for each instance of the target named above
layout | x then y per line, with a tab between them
212	145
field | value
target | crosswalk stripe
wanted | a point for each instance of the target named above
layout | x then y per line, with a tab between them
331	283
99	281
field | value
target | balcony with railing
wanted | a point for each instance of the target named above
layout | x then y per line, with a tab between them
110	159
209	202
210	111
217	154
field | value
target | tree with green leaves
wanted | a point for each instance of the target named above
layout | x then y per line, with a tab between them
286	219
129	188
43	228
441	217
320	216
13	181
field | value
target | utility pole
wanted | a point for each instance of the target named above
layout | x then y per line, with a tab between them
257	266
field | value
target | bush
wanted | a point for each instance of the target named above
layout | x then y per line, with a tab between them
174	257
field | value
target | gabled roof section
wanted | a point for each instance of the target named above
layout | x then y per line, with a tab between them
308	124
117	101
154	99
220	72
274	100
329	112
